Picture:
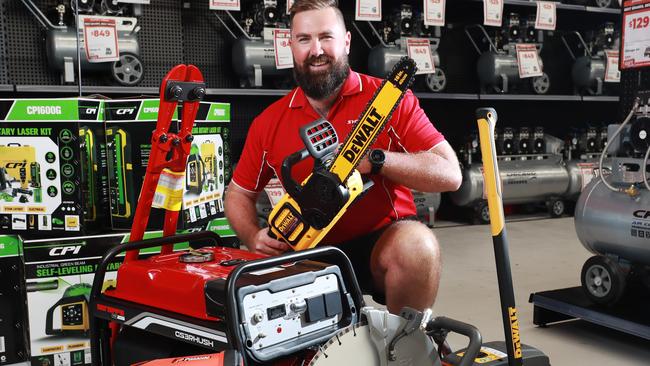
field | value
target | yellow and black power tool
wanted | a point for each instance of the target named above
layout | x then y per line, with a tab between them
307	212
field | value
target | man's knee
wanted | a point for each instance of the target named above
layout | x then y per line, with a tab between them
407	245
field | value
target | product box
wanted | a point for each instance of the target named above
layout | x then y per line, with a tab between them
58	278
51	166
129	126
13	327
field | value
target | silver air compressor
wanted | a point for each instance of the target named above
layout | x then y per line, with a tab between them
598	3
612	216
527	176
588	70
497	67
253	52
392	35
61	41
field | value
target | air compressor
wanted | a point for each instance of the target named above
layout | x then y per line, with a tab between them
598	3
498	68
588	70
612	216
61	43
392	36
253	51
532	170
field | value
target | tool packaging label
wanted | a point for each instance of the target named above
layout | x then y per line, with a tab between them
45	166
13	330
59	274
129	125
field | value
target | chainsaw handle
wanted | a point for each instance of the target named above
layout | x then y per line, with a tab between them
468	330
327	254
294	189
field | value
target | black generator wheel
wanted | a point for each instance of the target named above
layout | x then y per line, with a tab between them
603	280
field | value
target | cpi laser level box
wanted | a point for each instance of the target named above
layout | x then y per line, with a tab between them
58	276
129	125
13	327
51	166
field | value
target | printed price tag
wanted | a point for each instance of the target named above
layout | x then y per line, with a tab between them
420	51
434	12
100	39
274	190
546	15
289	4
528	61
368	10
612	73
169	191
225	5
587	173
636	34
283	56
492	12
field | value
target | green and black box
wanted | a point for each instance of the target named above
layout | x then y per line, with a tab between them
52	164
129	126
13	327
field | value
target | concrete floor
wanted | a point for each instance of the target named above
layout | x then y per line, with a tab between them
545	255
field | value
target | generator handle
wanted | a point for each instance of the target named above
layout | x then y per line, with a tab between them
326	254
95	292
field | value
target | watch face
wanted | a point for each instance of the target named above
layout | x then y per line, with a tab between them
377	156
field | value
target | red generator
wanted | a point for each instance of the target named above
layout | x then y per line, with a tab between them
210	298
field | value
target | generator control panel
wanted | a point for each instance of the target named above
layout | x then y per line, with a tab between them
275	317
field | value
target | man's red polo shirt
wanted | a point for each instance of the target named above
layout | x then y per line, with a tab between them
273	135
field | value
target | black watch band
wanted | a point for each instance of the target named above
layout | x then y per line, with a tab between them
377	158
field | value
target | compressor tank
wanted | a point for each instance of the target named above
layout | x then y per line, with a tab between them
610	222
524	181
382	59
62	43
581	173
586	70
491	65
247	54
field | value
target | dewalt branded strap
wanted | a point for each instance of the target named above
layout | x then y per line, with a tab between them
374	118
303	227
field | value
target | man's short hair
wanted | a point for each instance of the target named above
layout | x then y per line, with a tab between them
305	5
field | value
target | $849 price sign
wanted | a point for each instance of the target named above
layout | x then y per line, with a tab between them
100	39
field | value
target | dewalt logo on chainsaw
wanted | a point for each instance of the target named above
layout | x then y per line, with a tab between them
362	136
308	210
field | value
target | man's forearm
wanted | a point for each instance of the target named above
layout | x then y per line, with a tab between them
425	171
242	216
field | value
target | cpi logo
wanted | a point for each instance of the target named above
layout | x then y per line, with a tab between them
59	251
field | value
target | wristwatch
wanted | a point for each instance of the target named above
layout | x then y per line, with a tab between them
377	159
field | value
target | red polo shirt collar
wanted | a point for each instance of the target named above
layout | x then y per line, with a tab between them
351	86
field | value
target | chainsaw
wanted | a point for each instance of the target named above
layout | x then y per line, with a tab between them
307	212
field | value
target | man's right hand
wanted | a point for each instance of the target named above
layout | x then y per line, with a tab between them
263	243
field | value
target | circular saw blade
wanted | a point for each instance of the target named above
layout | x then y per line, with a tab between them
353	345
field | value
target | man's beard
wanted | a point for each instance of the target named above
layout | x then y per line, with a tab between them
321	84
